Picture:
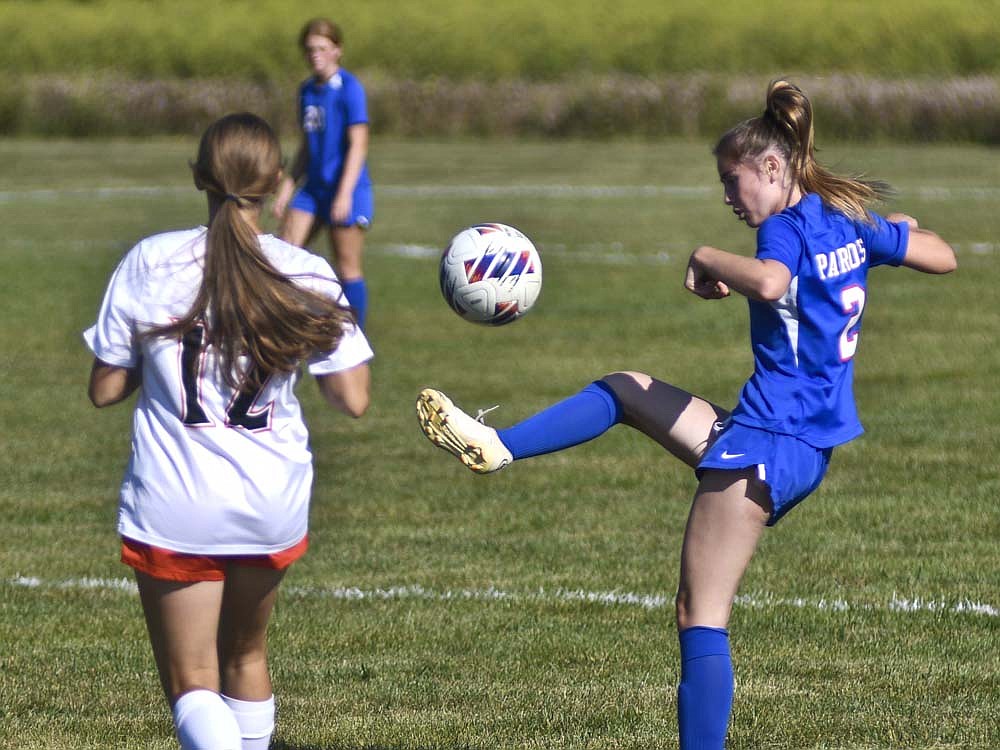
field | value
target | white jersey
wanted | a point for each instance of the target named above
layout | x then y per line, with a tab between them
211	471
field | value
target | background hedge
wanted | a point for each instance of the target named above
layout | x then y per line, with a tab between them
697	105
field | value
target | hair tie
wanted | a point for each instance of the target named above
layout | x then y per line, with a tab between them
233	197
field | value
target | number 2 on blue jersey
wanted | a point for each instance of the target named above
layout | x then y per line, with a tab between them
852	299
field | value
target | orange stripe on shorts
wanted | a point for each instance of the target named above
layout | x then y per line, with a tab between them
181	566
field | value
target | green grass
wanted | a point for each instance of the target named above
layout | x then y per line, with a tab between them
471	623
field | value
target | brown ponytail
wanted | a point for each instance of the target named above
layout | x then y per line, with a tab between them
787	126
249	307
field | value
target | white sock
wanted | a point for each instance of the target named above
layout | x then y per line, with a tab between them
205	722
256	720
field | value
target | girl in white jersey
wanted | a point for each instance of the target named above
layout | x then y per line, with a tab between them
211	326
806	286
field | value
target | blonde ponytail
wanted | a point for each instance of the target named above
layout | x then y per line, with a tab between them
787	126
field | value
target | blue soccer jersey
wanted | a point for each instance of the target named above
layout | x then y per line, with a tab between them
326	111
804	344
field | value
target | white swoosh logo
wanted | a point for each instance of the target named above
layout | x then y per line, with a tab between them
727	455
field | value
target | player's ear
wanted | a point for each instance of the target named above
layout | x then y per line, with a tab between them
772	167
194	175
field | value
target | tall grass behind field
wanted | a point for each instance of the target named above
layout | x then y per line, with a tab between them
531	608
514	38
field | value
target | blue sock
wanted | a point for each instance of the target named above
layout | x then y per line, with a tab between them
575	420
705	694
357	294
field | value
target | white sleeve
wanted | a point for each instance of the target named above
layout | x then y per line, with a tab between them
354	348
352	351
112	338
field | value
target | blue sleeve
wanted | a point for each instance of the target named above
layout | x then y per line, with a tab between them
885	241
356	104
778	240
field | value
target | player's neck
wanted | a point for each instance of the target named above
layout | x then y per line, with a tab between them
250	214
324	76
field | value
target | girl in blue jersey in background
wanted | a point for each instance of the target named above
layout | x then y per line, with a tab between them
333	114
807	288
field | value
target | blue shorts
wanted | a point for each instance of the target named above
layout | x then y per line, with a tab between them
790	468
317	199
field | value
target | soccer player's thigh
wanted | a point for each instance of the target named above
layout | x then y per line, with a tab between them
729	513
679	421
183	623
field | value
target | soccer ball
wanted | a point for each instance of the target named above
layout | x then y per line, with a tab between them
490	274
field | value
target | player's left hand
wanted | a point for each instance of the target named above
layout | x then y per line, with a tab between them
700	283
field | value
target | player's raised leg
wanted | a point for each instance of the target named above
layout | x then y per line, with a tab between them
680	422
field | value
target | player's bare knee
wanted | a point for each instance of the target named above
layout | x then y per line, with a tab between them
628	387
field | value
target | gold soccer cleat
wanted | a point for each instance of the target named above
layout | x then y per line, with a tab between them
470	440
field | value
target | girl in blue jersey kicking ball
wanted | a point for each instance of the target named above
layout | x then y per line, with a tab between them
807	288
337	192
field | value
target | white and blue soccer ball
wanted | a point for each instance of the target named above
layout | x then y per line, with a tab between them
491	274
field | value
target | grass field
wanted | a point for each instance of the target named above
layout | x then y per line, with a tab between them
533	608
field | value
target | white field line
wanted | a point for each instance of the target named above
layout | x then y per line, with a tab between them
45	195
614	598
927	192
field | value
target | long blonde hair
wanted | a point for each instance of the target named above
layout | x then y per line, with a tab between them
247	306
787	125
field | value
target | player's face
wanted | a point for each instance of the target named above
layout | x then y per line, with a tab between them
749	188
322	55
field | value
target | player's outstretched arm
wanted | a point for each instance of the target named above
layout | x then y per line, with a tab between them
347	391
712	273
925	251
110	384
